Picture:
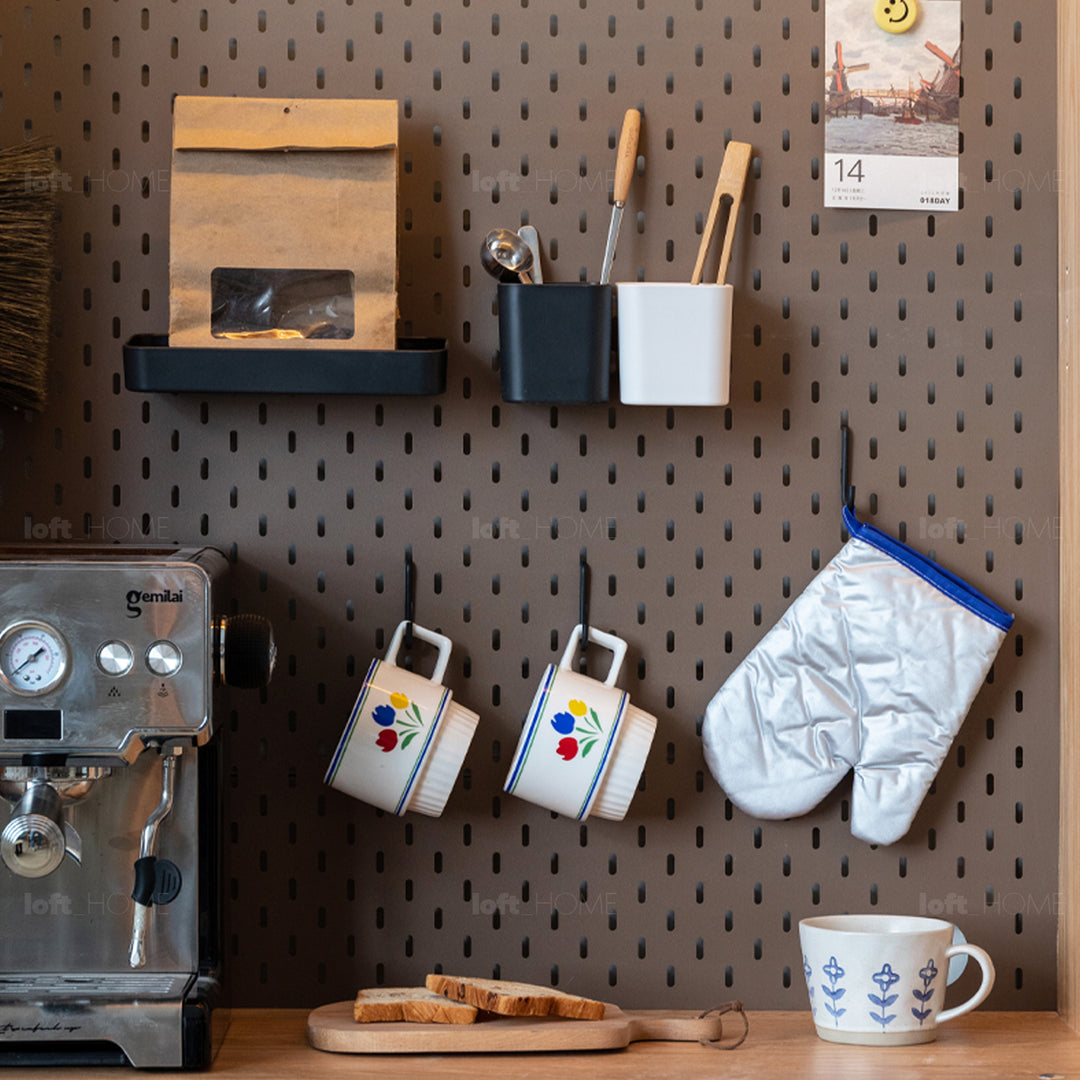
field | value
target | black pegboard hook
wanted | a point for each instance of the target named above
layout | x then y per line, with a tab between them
847	489
410	597
583	599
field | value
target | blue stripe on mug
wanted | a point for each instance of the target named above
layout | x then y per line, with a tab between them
515	776
343	744
603	761
420	758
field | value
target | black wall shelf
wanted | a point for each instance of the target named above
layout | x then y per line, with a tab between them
416	367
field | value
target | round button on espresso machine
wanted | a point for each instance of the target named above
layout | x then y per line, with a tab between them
163	658
115	658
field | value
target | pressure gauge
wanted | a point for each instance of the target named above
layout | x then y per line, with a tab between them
33	657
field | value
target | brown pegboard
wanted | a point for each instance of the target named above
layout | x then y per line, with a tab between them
933	335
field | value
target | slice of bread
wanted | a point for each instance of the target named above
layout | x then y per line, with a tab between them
515	998
412	1003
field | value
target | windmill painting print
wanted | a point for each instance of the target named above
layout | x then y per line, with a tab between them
892	107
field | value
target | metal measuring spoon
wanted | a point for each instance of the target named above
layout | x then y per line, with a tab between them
529	234
504	254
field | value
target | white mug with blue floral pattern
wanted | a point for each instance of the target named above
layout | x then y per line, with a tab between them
879	980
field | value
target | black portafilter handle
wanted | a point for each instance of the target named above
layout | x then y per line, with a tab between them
244	651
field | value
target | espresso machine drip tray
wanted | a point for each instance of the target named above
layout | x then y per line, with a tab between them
111	665
75	990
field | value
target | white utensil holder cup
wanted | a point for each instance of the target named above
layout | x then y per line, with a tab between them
674	343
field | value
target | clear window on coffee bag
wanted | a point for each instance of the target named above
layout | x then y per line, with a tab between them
251	302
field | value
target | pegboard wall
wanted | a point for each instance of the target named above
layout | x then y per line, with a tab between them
934	335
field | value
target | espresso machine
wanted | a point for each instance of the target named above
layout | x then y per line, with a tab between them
110	889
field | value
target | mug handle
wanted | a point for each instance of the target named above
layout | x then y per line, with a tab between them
609	641
440	641
987	965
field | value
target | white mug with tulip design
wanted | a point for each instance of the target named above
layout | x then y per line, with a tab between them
583	746
405	739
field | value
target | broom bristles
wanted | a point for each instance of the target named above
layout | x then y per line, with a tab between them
27	230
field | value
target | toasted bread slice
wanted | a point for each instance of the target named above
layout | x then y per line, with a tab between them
515	998
412	1003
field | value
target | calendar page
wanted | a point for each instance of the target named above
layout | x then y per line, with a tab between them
892	104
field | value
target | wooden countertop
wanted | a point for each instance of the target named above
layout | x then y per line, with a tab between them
271	1044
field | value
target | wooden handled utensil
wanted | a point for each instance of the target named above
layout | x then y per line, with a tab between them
626	156
731	182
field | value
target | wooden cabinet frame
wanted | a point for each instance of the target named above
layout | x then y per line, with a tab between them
1068	131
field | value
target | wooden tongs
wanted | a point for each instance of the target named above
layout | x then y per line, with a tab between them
732	180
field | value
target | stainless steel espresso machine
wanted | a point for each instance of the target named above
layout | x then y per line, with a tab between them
110	891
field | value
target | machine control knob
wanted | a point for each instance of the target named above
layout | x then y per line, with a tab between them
244	651
163	658
115	658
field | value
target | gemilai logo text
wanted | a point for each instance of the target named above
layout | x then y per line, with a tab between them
136	598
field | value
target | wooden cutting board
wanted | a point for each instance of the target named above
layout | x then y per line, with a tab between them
332	1028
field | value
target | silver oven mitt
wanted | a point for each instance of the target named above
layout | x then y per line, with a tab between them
872	668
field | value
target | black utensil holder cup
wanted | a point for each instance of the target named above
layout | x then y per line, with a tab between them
555	342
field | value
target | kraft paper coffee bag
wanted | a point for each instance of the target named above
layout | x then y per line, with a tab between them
283	223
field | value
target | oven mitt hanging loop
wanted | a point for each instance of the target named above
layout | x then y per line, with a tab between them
872	668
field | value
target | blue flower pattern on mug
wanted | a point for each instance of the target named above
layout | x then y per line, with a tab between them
383	715
808	974
405	714
928	974
834	992
885	978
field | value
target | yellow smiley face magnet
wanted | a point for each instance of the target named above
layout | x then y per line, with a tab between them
896	16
